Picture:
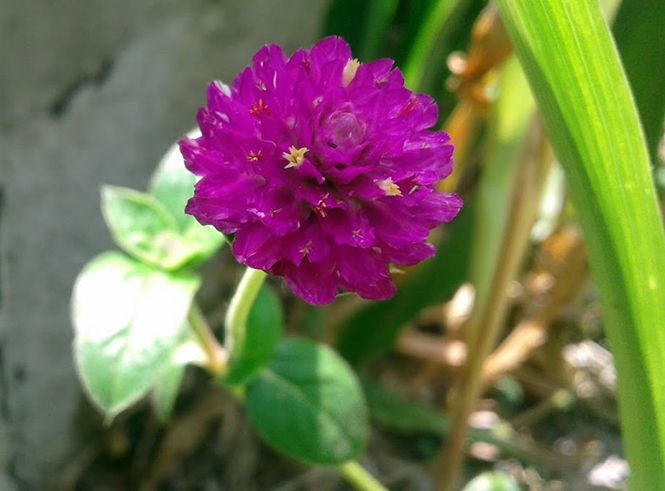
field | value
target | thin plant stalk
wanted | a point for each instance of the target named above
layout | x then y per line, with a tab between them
462	126
359	478
216	355
523	153
240	305
484	335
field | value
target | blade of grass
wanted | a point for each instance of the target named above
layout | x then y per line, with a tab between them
442	11
380	14
346	18
574	71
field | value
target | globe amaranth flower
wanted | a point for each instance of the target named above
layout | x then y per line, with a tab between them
323	168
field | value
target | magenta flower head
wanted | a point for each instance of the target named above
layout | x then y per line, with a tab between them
323	168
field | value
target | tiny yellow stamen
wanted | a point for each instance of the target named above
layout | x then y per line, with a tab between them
306	250
295	156
321	206
389	187
259	108
350	72
255	157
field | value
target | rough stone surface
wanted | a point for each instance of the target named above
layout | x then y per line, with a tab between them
49	48
94	93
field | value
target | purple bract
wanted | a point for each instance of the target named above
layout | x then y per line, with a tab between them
323	168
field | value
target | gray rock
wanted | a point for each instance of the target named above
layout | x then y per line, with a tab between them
48	48
108	131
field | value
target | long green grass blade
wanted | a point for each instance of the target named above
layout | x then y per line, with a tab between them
347	18
380	14
574	70
442	12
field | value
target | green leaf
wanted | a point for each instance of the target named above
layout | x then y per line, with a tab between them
172	185
127	318
308	405
143	228
364	24
574	71
380	13
140	225
638	30
200	243
392	411
492	481
262	335
373	330
167	385
346	18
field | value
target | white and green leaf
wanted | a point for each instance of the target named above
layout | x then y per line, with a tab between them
128	319
144	228
187	351
172	185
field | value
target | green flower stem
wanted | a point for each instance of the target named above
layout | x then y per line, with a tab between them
241	303
217	357
359	478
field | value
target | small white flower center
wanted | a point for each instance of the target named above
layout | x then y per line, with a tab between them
350	72
295	156
389	187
